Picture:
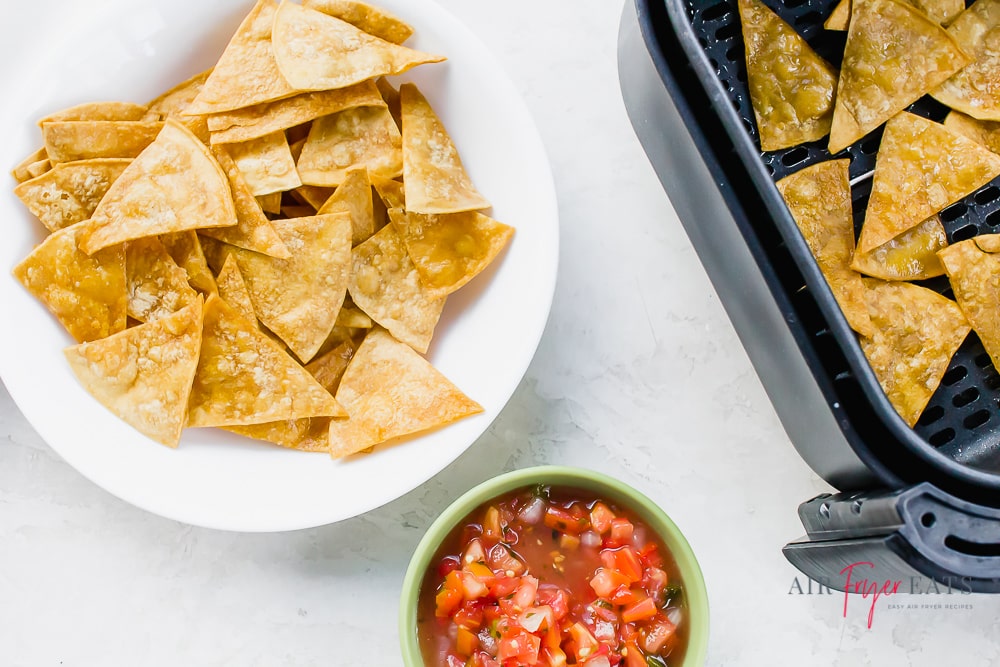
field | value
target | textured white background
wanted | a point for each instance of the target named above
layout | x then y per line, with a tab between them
639	374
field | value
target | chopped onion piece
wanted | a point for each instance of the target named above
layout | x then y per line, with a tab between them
533	512
598	661
590	539
674	615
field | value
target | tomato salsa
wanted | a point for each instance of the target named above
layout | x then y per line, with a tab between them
552	576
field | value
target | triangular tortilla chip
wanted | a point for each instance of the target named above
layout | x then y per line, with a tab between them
976	89
372	20
157	287
266	163
917	332
174	185
450	250
297	211
233	289
256	121
985	132
941	12
894	56
252	230
69	192
315	51
362	137
390	192
819	198
352	317
312	195
391	391
89	139
921	168
354	196
791	87
143	375
185	249
175	102
435	179
269	203
22	172
247	73
86	294
390	96
244	377
385	284
840	17
910	256
97	111
974	274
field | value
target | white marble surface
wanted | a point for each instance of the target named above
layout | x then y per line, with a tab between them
639	374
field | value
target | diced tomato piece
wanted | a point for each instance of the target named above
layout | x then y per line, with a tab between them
491	524
473	587
639	611
470	615
624	595
606	581
501	559
503	586
454	661
524	597
650	555
602	609
633	656
621	532
474	553
520	646
627	563
654	581
466	642
450	595
448	564
564	521
553	656
586	643
657	634
556	598
601	517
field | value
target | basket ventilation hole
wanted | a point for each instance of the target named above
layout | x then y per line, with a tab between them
943	437
976	419
964	233
968	396
986	195
794	156
715	12
928	520
954	375
954	212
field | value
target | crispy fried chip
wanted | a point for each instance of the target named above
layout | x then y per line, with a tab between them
352	317
143	375
312	195
87	139
22	172
450	250
942	12
69	193
86	294
157	287
976	89
372	20
175	102
391	391
244	377
974	273
435	180
894	55
315	51
910	256
256	121
97	111
174	185
266	163
988	242
362	137
185	249
921	168
36	169
791	87
840	17
269	203
819	198
354	196
297	211
390	192
233	289
917	332
391	98
385	284
985	132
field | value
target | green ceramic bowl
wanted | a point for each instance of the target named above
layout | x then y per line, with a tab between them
587	480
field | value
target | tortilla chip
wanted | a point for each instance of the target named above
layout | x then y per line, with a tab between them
269	203
362	137
247	73
390	96
233	289
894	56
261	119
86	294
385	284
391	391
21	172
71	191
917	332
941	12
185	249
312	195
88	139
791	87
315	51
390	192
819	198
354	196
266	163
352	317
175	102
840	17
975	89
985	132
36	169
244	377
974	274
297	211
371	20
910	256
921	168
450	250
143	375
435	180
97	111
174	185
157	287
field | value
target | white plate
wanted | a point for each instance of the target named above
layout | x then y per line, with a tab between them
133	50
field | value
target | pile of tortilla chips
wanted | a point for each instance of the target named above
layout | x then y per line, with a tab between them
267	247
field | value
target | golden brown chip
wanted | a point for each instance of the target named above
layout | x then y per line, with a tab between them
385	284
174	185
233	289
362	137
391	391
372	20
988	242
143	375
976	89
985	132
261	119
175	102
352	317
894	56
87	139
22	173
840	17
921	168
819	198
917	332
157	287
269	203
390	96
185	249
910	256
86	294
435	180
791	87
942	12
266	163
69	192
390	192
450	250
244	377
97	111
312	195
297	211
36	169
315	51
974	274
354	196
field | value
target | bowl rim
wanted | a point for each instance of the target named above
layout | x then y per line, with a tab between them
696	594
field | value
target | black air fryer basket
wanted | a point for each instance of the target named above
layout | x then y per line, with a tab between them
914	502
